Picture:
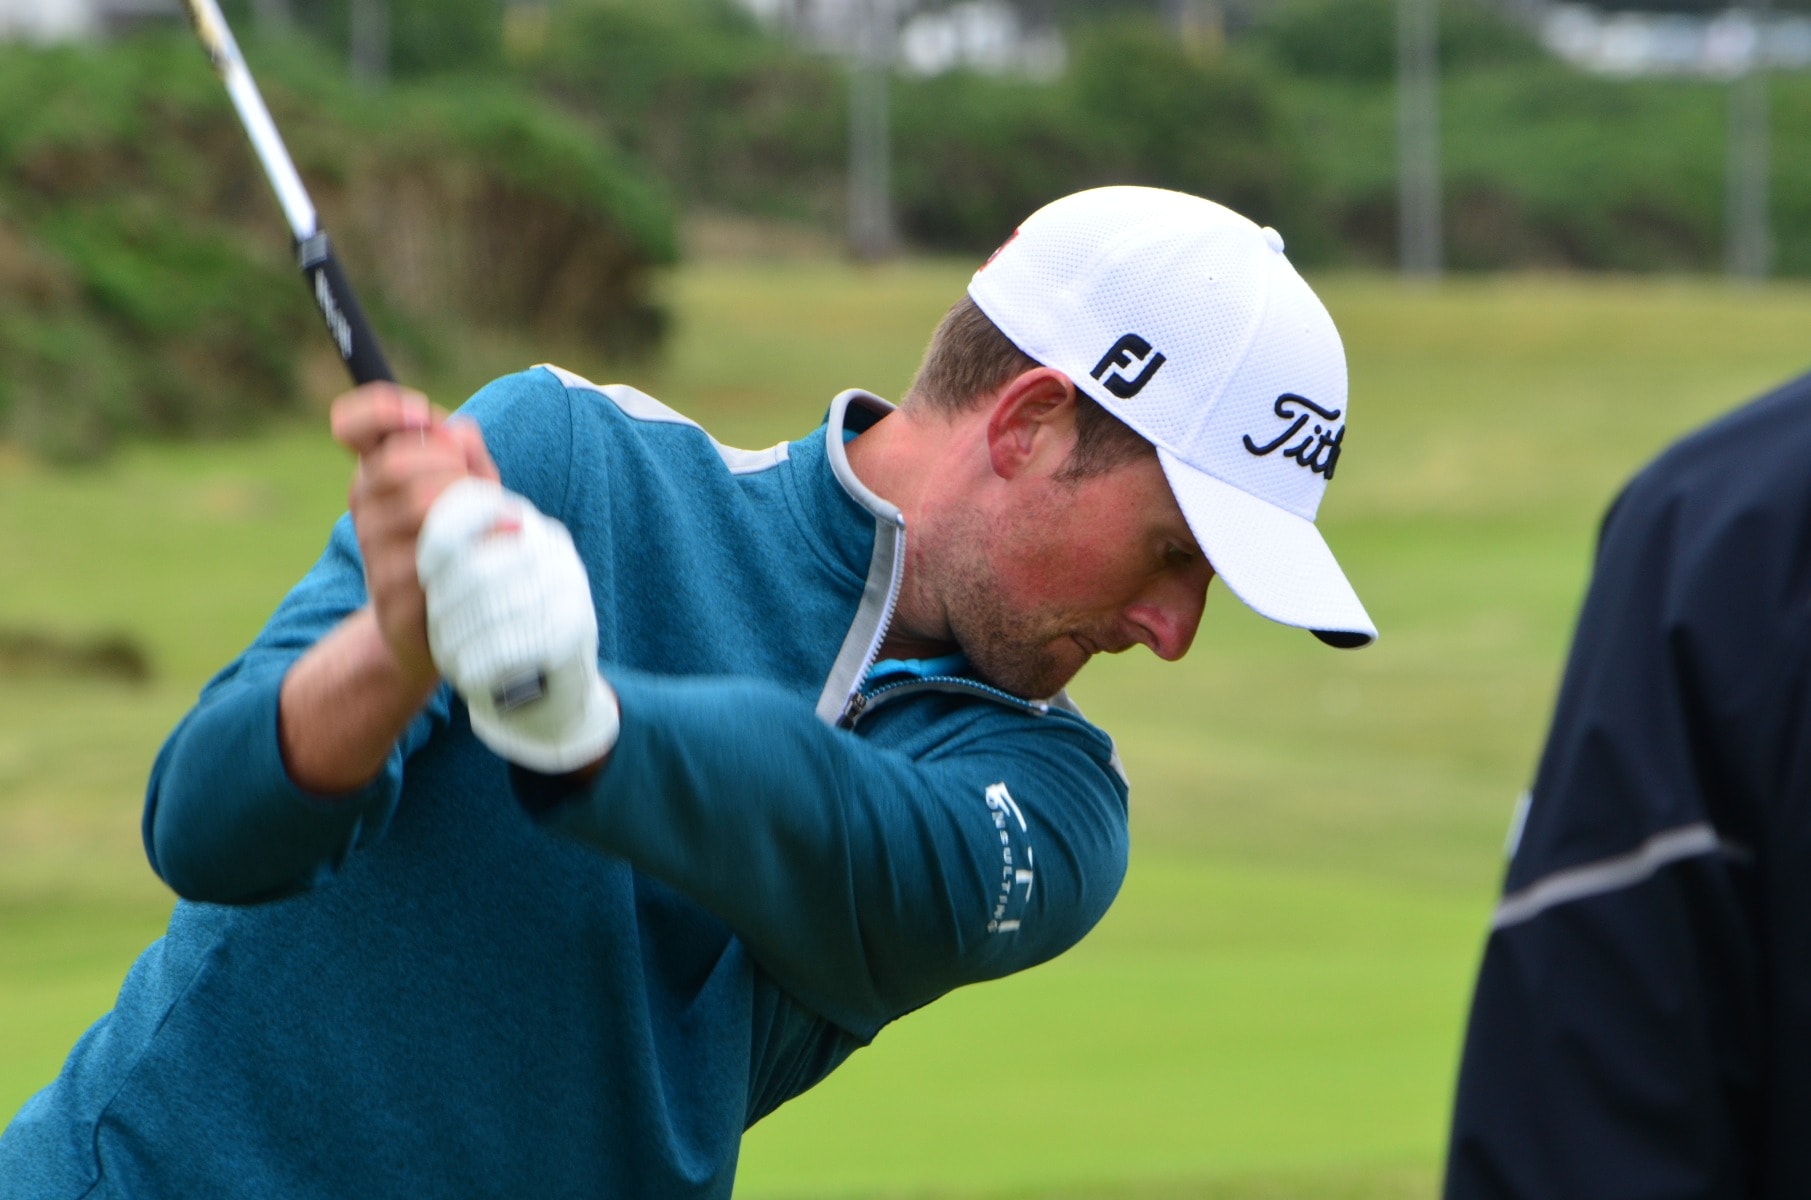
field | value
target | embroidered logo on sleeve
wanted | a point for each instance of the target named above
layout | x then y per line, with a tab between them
1016	866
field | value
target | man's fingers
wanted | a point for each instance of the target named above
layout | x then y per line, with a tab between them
477	454
362	418
395	486
432	456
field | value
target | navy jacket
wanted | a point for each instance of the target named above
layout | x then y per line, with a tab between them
1642	1020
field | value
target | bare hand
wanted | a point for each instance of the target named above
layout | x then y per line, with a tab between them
408	453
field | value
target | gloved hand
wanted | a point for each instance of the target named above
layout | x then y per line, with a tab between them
512	628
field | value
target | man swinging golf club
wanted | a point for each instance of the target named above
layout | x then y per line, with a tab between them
603	787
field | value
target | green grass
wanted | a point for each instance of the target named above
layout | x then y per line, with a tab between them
1273	1008
1225	1018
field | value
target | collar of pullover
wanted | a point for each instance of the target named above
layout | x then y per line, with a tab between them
860	531
831	488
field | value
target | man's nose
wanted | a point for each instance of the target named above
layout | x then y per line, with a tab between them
1168	615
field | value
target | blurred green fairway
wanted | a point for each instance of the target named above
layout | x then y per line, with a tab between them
1273	1008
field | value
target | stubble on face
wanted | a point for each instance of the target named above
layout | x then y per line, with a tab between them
1013	646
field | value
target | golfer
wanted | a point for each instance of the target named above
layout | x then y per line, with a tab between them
603	787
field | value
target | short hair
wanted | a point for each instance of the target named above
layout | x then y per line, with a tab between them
969	358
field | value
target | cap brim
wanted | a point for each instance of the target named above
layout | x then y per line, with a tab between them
1274	561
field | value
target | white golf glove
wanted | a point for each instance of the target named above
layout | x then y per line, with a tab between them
512	628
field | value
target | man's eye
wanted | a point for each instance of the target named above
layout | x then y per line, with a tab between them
1176	556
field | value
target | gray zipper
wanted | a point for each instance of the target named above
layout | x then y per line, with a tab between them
863	703
857	699
886	570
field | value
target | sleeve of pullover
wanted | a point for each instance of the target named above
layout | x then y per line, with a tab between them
866	880
223	821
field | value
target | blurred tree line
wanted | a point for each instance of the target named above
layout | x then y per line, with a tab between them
553	143
1287	114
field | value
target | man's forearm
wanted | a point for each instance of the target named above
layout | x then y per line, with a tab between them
343	706
862	880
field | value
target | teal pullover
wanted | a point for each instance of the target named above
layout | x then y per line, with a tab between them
422	990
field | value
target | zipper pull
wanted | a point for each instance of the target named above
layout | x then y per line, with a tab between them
853	710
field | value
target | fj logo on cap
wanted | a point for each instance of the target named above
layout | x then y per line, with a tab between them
1127	350
1318	451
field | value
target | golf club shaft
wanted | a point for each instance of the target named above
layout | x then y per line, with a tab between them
327	284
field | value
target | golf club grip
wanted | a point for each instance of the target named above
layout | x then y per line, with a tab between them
339	306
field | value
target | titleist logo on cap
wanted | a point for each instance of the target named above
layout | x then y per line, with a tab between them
1318	451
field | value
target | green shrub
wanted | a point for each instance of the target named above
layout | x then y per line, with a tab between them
726	114
1546	167
732	117
145	282
1209	124
1355	40
425	36
976	154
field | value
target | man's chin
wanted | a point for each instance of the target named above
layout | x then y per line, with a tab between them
1037	681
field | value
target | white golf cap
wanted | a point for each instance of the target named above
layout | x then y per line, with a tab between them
1184	320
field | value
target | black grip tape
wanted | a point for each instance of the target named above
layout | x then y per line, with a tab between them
345	320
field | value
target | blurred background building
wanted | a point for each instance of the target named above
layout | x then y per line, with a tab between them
1709	38
1714	42
69	20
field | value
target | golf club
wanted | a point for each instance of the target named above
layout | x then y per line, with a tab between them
346	324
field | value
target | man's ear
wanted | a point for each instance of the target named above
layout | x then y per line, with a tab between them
1031	423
